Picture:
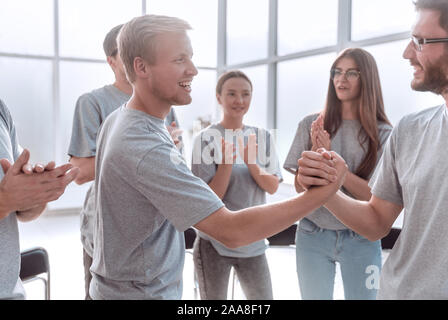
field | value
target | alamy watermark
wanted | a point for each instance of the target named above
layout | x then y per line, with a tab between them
373	280
250	146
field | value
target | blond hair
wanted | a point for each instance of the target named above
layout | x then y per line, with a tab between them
137	38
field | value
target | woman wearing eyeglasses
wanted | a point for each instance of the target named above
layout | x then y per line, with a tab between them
354	124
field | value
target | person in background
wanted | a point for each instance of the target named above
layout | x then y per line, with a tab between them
353	124
25	190
240	184
91	110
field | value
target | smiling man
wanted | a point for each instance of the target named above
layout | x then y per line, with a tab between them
91	110
144	199
410	175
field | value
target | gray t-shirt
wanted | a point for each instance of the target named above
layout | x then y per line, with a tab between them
146	196
412	174
346	143
243	191
10	284
90	112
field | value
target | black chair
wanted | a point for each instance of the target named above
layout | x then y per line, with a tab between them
34	263
286	237
388	241
190	236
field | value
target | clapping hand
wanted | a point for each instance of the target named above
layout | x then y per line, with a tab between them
29	169
249	152
228	152
320	138
25	186
175	133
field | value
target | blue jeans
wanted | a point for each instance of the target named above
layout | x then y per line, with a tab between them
318	250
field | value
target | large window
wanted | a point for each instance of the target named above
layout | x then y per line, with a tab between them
26	88
80	33
202	16
247	32
378	18
62	57
285	46
297	18
19	21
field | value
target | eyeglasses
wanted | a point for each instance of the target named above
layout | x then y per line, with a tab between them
419	42
350	75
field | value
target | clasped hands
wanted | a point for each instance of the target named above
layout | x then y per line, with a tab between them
320	166
25	186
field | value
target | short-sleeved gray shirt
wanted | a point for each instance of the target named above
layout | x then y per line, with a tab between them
91	110
146	196
412	173
346	143
243	191
10	285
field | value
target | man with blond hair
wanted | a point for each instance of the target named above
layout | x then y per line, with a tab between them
91	110
146	195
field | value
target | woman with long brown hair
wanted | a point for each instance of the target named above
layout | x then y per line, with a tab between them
353	124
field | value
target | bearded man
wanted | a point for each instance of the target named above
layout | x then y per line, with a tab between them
410	175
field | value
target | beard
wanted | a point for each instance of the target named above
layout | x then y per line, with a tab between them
173	98
435	78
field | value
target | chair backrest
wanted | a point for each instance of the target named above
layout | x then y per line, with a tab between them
388	241
190	236
284	238
34	262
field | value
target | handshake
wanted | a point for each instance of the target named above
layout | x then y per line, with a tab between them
321	168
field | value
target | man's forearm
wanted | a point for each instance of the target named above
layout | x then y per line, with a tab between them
358	187
239	228
357	215
260	222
